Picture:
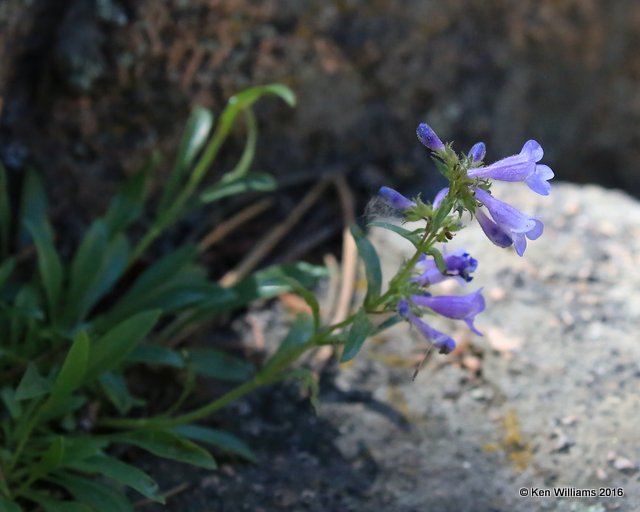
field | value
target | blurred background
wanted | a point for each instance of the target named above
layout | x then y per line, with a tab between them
88	88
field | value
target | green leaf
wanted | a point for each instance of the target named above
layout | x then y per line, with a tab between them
97	265
127	205
216	364
33	208
195	135
5	212
155	355
308	297
167	445
371	264
361	329
249	96
121	472
8	506
32	384
299	333
50	461
108	351
8	397
49	265
71	374
218	438
242	167
253	182
276	280
50	504
411	236
263	284
439	259
99	497
115	387
6	269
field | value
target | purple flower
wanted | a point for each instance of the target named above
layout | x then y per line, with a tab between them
459	264
520	167
477	152
437	201
445	344
458	307
396	199
428	137
509	225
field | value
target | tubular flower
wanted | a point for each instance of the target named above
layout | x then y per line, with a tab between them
520	167
458	307
477	152
437	201
395	199
445	344
428	137
509	225
459	264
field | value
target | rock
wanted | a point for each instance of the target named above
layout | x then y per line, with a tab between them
580	376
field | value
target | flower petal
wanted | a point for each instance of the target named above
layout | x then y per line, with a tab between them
504	214
437	201
395	199
494	232
532	151
477	152
428	137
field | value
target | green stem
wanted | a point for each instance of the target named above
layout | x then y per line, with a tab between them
268	375
169	216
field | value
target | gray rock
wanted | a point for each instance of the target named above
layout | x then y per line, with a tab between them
472	450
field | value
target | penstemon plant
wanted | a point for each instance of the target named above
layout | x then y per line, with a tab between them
73	333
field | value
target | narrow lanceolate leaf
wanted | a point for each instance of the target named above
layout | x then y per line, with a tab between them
411	236
127	204
300	332
439	259
51	459
156	355
361	329
167	445
219	438
8	506
6	269
8	397
252	182
72	373
308	297
32	384
50	504
108	351
371	264
242	167
99	497
49	264
195	135
217	364
33	207
121	472
98	263
115	387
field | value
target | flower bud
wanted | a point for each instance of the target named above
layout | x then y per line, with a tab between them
429	138
477	152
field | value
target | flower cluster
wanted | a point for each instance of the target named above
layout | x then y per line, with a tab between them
469	189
